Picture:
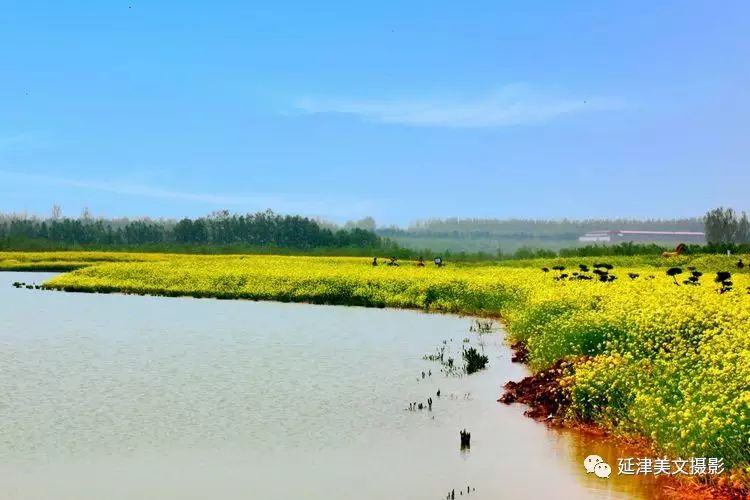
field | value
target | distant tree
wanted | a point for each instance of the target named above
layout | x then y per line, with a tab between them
219	228
366	223
326	224
721	226
743	229
183	231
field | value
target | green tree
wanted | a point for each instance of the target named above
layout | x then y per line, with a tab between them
366	223
743	229
721	226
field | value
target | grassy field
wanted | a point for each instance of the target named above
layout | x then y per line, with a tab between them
478	244
651	355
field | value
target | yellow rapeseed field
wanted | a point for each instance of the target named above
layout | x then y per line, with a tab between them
65	261
653	355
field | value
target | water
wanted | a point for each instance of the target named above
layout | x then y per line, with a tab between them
114	396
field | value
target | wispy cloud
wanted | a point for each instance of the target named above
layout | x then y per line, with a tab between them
510	105
278	202
133	189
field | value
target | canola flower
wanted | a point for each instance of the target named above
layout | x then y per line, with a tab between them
651	358
66	261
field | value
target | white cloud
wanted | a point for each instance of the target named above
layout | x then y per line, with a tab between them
511	105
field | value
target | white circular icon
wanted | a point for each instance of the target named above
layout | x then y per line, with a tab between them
590	462
602	470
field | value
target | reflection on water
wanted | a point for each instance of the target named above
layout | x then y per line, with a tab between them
582	445
110	396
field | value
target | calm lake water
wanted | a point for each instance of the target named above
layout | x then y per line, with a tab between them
123	397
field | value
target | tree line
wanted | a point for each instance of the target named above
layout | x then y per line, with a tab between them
268	232
262	229
540	228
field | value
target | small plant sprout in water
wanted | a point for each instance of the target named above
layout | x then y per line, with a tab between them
452	493
465	439
482	326
442	357
437	356
475	360
28	286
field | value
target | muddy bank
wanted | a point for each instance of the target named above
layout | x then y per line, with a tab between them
548	402
541	392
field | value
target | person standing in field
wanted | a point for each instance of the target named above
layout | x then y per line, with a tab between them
420	262
374	261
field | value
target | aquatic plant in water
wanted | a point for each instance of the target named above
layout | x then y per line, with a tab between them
474	360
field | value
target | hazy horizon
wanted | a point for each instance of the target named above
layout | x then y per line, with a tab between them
415	224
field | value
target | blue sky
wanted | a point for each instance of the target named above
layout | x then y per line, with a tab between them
402	112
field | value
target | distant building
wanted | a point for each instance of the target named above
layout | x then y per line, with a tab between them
596	236
619	236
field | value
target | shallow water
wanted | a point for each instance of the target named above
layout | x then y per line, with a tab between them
115	396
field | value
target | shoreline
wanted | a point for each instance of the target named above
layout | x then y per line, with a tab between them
541	392
544	395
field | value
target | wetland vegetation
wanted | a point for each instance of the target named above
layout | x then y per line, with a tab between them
644	355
